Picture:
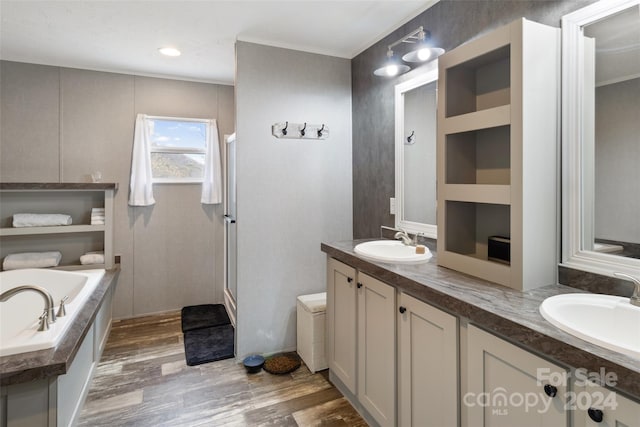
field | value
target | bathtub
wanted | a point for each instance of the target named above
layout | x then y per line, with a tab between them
19	315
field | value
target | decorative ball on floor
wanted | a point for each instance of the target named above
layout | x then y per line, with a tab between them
282	363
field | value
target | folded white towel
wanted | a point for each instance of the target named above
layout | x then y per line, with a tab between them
97	221
40	220
97	216
31	260
92	258
97	211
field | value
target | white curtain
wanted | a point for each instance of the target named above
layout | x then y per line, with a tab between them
212	179
141	185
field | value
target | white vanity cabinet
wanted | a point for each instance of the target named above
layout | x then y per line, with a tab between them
361	340
377	349
341	322
507	386
595	406
427	365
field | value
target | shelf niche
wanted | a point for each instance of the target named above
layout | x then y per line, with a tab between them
479	157
480	83
497	154
469	226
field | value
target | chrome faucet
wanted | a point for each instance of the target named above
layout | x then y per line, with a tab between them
49	315
402	235
635	298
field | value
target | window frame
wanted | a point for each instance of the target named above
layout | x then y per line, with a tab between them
176	150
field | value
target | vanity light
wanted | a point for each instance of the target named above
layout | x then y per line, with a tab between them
169	51
423	53
391	67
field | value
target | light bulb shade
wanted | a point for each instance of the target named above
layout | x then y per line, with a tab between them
391	67
423	54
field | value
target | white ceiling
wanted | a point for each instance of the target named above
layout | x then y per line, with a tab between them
617	39
123	36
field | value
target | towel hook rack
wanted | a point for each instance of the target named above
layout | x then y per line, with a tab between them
304	130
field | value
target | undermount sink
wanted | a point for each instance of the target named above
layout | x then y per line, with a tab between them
392	251
609	321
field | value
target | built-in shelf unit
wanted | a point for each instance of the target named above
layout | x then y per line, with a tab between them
74	199
497	154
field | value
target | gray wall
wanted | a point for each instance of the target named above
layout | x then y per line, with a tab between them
451	23
291	194
617	183
61	124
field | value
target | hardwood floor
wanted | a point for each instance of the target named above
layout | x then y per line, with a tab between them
143	380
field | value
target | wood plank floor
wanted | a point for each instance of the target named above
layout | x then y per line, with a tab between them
143	380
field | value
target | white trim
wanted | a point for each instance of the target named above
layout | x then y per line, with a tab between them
178	119
429	75
572	136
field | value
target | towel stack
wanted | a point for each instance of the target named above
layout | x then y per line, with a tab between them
31	260
40	220
97	216
92	258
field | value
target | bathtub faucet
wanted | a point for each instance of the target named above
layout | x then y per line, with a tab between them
48	302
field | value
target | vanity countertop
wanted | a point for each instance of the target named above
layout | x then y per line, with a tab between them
509	313
35	365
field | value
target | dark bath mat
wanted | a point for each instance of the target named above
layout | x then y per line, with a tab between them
208	344
203	316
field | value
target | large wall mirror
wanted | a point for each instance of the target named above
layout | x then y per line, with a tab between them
601	137
415	149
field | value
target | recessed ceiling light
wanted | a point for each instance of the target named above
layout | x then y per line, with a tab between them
169	51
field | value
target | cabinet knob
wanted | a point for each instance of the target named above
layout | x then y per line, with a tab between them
359	285
595	414
402	309
349	279
550	390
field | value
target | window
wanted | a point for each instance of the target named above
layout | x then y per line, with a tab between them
178	148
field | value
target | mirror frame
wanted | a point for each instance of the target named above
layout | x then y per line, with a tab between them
573	133
428	74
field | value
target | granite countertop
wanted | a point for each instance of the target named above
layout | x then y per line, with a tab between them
35	365
509	313
22	186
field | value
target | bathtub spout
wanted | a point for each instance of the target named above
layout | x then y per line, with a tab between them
48	299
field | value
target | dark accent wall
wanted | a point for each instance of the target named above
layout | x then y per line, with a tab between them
451	23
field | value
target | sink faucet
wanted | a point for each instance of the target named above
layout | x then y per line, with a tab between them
48	302
635	298
402	235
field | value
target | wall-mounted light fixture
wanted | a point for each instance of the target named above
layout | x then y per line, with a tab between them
391	67
422	53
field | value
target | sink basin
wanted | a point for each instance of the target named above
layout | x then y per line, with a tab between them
392	251
608	321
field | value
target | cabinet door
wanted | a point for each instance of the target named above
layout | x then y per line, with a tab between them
595	406
377	349
341	322
428	365
507	385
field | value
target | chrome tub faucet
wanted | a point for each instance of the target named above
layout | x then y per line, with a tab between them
635	298
48	316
